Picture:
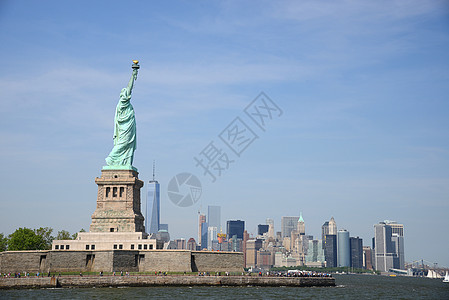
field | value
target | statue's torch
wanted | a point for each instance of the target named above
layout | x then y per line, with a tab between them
136	67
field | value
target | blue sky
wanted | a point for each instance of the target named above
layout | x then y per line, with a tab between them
364	134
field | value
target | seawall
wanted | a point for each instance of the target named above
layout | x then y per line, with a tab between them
56	261
170	280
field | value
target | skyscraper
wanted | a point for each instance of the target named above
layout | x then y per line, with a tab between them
329	227
152	222
356	246
212	240
235	227
270	223
398	242
201	220
343	248
301	226
214	216
367	257
388	246
261	229
204	228
324	230
332	226
288	224
330	250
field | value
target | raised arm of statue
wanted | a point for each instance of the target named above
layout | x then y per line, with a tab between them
125	94
131	81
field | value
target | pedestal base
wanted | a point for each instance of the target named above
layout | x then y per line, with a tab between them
118	202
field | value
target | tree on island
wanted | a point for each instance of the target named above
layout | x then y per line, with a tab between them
25	239
45	233
3	242
64	235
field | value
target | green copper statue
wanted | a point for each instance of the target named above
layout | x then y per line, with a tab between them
121	156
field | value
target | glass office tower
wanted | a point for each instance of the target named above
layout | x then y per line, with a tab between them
152	222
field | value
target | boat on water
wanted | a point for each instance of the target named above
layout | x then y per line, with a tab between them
446	278
432	274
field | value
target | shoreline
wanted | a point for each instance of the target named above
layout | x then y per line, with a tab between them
169	280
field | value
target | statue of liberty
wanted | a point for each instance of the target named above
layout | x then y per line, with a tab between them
121	156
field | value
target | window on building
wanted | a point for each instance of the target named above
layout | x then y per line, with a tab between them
114	192
92	247
56	247
111	229
87	247
122	191
115	246
108	191
132	247
151	247
145	247
140	247
61	247
67	247
120	246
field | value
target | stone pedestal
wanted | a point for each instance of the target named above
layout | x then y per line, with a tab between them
118	202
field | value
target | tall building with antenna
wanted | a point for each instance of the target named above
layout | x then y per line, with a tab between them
152	221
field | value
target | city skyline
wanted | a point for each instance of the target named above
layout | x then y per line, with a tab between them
363	135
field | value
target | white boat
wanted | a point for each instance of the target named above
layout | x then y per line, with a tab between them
433	274
446	278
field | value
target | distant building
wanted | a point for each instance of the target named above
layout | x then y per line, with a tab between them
204	236
288	224
211	238
315	251
235	244
163	227
324	230
261	229
398	241
301	226
270	223
191	244
153	207
265	259
252	246
343	249
245	239
367	257
388	246
329	227
180	243
201	220
332	226
235	227
330	250
214	216
356	246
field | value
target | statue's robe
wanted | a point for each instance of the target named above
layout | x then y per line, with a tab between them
124	132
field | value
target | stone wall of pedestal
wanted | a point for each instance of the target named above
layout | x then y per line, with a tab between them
118	202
